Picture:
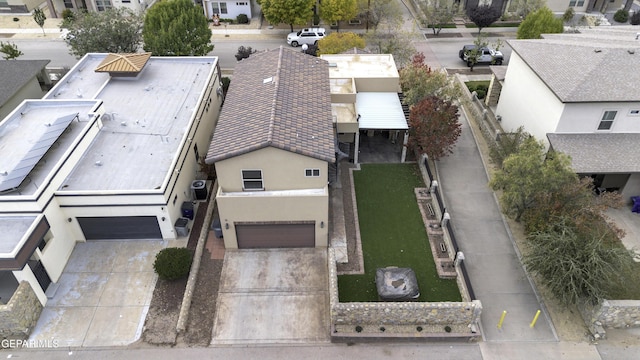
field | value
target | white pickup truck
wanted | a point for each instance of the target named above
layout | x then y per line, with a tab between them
484	56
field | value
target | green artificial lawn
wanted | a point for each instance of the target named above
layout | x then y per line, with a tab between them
392	234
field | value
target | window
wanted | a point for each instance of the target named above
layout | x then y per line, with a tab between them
607	120
195	150
102	5
252	180
45	240
312	172
241	4
576	3
219	7
126	1
68	4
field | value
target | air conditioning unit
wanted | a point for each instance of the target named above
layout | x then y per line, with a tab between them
199	188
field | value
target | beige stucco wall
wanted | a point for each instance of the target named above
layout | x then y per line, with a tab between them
281	170
631	188
526	101
274	207
385	84
30	90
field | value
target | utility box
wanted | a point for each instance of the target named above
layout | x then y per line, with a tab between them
216	226
199	188
187	210
182	227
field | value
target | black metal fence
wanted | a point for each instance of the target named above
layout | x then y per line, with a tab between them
452	236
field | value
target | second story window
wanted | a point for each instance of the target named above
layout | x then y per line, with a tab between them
311	172
252	180
607	120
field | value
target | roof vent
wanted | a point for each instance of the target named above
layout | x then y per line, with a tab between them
4	173
631	51
98	163
597	51
333	65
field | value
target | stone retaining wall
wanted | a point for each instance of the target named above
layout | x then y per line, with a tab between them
20	314
393	318
612	314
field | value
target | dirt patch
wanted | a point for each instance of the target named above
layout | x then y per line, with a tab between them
162	317
203	304
349	221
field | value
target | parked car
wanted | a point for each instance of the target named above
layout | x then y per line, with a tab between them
309	36
485	55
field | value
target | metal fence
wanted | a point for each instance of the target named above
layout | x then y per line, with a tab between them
452	236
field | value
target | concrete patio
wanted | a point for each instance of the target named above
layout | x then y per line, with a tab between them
103	296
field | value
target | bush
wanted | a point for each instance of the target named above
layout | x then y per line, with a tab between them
68	15
173	263
635	19
225	83
621	16
568	15
242	19
481	93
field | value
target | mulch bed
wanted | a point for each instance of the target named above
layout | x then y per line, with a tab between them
431	35
350	230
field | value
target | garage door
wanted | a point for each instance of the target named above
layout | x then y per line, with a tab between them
252	236
120	227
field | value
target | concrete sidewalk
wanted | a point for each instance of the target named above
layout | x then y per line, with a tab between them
492	261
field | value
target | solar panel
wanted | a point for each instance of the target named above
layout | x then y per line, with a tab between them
10	180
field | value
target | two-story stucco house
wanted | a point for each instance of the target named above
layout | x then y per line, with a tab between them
271	149
111	152
19	80
579	93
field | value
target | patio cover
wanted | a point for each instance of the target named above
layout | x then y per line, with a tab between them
380	111
599	153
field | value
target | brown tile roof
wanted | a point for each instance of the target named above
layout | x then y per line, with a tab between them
279	98
123	63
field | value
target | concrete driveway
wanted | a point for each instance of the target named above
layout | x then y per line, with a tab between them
273	296
103	295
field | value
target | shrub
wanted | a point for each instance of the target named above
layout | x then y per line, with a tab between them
242	19
173	263
68	15
225	83
481	93
568	15
621	16
635	18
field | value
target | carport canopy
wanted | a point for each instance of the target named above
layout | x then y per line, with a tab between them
599	153
380	111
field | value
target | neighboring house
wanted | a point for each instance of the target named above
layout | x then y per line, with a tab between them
111	152
226	9
272	148
579	93
19	80
365	99
18	6
581	6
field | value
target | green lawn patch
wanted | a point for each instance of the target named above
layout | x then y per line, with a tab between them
480	87
393	234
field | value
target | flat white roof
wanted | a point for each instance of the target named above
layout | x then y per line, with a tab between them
361	66
380	110
13	229
145	121
23	130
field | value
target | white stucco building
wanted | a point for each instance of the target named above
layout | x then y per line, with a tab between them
111	152
579	93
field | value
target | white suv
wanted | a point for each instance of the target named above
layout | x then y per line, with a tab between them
309	36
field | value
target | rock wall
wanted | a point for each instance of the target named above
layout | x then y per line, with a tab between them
613	314
397	317
20	314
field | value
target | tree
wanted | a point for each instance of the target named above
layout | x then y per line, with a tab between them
576	266
176	28
480	43
527	173
115	30
419	81
244	52
377	11
338	10
336	43
39	17
506	145
434	127
10	51
389	38
540	22
292	12
484	15
435	16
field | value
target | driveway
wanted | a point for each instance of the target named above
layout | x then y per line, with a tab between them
103	295
273	296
